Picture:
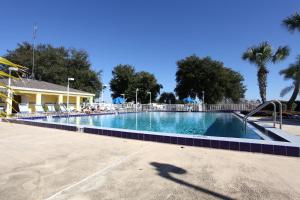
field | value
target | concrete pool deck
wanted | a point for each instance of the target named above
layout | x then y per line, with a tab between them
291	126
43	163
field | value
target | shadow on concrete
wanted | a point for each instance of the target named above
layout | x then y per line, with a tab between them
166	170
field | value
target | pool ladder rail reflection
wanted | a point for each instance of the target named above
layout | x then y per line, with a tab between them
257	109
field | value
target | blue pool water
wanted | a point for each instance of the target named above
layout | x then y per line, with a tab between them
193	123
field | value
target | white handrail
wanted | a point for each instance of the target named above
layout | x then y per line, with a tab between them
245	118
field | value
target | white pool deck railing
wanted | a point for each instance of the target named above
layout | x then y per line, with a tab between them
183	107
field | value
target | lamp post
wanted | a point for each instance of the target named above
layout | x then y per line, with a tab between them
149	100
203	96
68	94
9	93
9	79
33	46
136	93
103	88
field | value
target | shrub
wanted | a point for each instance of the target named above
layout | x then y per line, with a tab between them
294	106
284	107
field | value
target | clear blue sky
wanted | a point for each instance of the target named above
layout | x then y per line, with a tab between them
152	35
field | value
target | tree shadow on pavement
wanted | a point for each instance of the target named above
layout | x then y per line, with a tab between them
166	170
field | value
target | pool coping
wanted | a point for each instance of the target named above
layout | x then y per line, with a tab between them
290	148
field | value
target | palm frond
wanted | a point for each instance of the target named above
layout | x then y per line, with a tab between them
292	23
4	61
286	90
259	54
5	75
291	71
4	96
281	53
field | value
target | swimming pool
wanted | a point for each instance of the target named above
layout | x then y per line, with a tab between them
189	123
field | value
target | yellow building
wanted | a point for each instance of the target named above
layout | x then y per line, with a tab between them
33	92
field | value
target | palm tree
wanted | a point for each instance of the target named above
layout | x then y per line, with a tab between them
292	22
261	55
292	73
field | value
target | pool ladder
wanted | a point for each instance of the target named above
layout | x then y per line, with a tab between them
273	102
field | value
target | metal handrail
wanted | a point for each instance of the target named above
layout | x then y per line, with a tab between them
245	118
280	113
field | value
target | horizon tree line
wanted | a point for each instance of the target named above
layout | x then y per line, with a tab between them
55	64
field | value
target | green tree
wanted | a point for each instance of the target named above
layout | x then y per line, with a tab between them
292	23
167	97
56	64
122	78
195	75
261	55
125	81
146	82
292	73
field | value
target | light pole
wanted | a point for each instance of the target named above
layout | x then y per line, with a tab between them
33	46
9	93
103	88
149	100
9	78
203	96
68	94
136	94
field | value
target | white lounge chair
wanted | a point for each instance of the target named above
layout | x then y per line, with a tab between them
63	108
1	109
51	108
23	110
72	108
39	109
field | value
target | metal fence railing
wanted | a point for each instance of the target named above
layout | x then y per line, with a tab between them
129	107
230	107
197	107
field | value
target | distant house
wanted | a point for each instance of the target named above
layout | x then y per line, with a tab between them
35	92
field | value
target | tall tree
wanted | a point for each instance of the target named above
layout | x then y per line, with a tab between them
195	75
292	73
292	23
125	81
167	97
56	64
146	82
122	77
261	55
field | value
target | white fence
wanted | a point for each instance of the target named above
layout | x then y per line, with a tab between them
176	107
197	107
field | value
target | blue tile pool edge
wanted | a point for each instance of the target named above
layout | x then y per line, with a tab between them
237	144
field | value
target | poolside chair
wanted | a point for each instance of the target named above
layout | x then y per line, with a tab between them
51	108
23	110
107	109
113	108
63	108
72	108
102	108
39	109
